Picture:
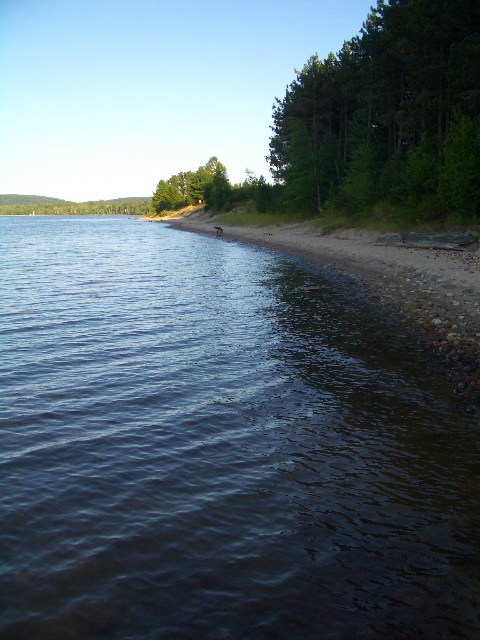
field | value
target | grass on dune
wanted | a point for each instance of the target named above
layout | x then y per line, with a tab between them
252	219
382	219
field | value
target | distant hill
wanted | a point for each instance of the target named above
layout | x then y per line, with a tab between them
13	198
19	205
122	200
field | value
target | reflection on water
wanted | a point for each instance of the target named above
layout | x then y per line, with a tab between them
205	440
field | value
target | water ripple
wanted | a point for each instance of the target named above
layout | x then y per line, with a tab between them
203	439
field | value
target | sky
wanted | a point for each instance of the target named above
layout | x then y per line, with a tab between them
101	99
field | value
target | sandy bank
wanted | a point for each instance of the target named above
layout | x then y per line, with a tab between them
434	293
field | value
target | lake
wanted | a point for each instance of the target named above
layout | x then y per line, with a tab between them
204	439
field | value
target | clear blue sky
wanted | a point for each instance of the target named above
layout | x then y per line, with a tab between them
101	99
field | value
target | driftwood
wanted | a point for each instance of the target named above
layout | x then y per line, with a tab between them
451	241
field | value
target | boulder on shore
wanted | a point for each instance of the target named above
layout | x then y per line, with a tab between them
450	241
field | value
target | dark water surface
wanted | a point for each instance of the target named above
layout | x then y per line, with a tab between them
201	439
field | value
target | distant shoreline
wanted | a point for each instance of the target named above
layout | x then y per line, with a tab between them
51	215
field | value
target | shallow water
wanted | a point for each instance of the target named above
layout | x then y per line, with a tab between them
201	439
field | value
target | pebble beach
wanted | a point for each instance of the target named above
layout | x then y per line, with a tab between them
434	294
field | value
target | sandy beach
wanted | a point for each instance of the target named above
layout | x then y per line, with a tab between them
433	293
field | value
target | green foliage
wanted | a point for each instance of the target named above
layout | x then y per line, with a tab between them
16	199
256	194
196	185
263	196
421	174
166	197
217	192
239	218
301	180
459	179
180	181
358	188
375	122
209	184
391	179
120	206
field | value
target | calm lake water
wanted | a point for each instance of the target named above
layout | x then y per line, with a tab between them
202	439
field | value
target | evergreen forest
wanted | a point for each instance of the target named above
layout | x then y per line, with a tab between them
387	127
22	205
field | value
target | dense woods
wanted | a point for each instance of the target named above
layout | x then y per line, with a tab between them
25	205
208	185
391	120
389	127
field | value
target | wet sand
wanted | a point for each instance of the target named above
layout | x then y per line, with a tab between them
434	293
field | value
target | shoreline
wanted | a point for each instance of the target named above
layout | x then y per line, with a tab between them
433	294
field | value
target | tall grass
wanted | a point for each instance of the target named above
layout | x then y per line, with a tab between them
387	218
244	218
382	217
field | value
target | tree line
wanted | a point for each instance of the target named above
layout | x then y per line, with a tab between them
392	119
127	206
14	198
209	185
389	125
